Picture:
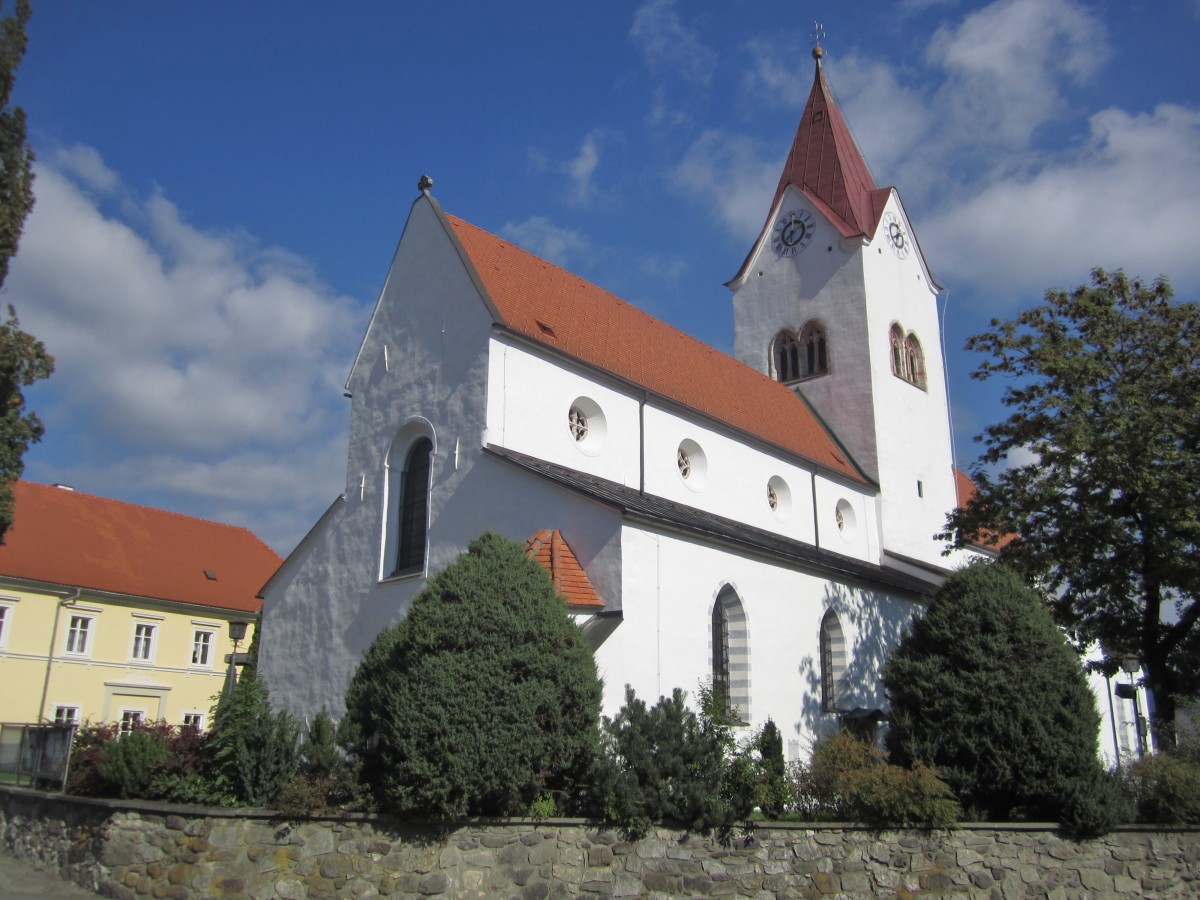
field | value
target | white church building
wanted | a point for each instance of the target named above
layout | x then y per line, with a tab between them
764	522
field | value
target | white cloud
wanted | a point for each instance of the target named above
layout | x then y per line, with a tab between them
181	351
733	174
581	169
565	247
667	44
1117	204
1003	64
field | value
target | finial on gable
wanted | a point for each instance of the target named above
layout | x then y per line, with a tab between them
424	184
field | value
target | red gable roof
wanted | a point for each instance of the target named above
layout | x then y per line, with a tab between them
966	489
551	551
64	537
539	300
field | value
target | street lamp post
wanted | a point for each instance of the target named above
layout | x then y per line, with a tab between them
237	633
1129	665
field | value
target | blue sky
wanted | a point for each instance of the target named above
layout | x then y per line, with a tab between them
221	186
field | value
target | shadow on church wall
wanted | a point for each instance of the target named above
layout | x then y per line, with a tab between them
873	624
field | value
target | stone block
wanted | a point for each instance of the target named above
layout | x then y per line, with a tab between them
966	858
520	875
434	883
514	854
542	853
651	849
626	885
600	856
538	890
1124	885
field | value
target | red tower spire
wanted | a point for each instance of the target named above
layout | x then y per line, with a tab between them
824	162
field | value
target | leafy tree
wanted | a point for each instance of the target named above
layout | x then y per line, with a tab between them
16	156
23	358
483	698
986	689
1105	400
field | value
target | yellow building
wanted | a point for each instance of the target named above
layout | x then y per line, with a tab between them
113	612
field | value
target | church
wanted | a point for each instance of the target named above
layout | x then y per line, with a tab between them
764	523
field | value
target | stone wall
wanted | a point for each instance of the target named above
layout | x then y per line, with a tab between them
138	850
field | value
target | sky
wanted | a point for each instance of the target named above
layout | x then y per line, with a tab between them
221	186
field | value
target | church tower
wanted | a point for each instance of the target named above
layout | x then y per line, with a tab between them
835	299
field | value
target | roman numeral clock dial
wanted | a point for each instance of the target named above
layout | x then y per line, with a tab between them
896	235
792	232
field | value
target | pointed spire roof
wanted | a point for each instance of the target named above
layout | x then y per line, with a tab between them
825	163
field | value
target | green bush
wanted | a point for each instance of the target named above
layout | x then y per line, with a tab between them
986	689
324	778
127	765
252	750
483	698
668	764
772	792
1166	788
850	780
1095	805
103	764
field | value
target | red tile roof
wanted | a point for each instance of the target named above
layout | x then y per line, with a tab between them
65	537
551	306
966	489
551	551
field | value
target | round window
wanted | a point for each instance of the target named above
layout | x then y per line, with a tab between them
692	464
847	523
586	425
779	498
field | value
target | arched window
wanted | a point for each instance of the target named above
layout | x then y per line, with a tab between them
787	357
816	351
896	336
731	655
908	359
915	360
833	663
407	507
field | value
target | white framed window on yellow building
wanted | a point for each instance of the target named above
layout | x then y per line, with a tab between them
203	647
6	616
80	629
144	634
66	715
193	720
131	719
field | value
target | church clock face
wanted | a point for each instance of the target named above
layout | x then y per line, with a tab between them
792	232
896	235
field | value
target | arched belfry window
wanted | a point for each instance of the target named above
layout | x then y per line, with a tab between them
731	655
833	663
915	359
815	350
908	359
786	357
409	467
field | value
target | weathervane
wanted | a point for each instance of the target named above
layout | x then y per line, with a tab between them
818	35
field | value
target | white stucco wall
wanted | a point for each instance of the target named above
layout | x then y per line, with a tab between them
664	640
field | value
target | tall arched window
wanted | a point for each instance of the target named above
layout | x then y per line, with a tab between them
908	359
833	663
896	337
787	357
915	360
731	654
816	351
407	507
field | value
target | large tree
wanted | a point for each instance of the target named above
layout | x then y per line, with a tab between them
1098	471
23	358
986	688
483	698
